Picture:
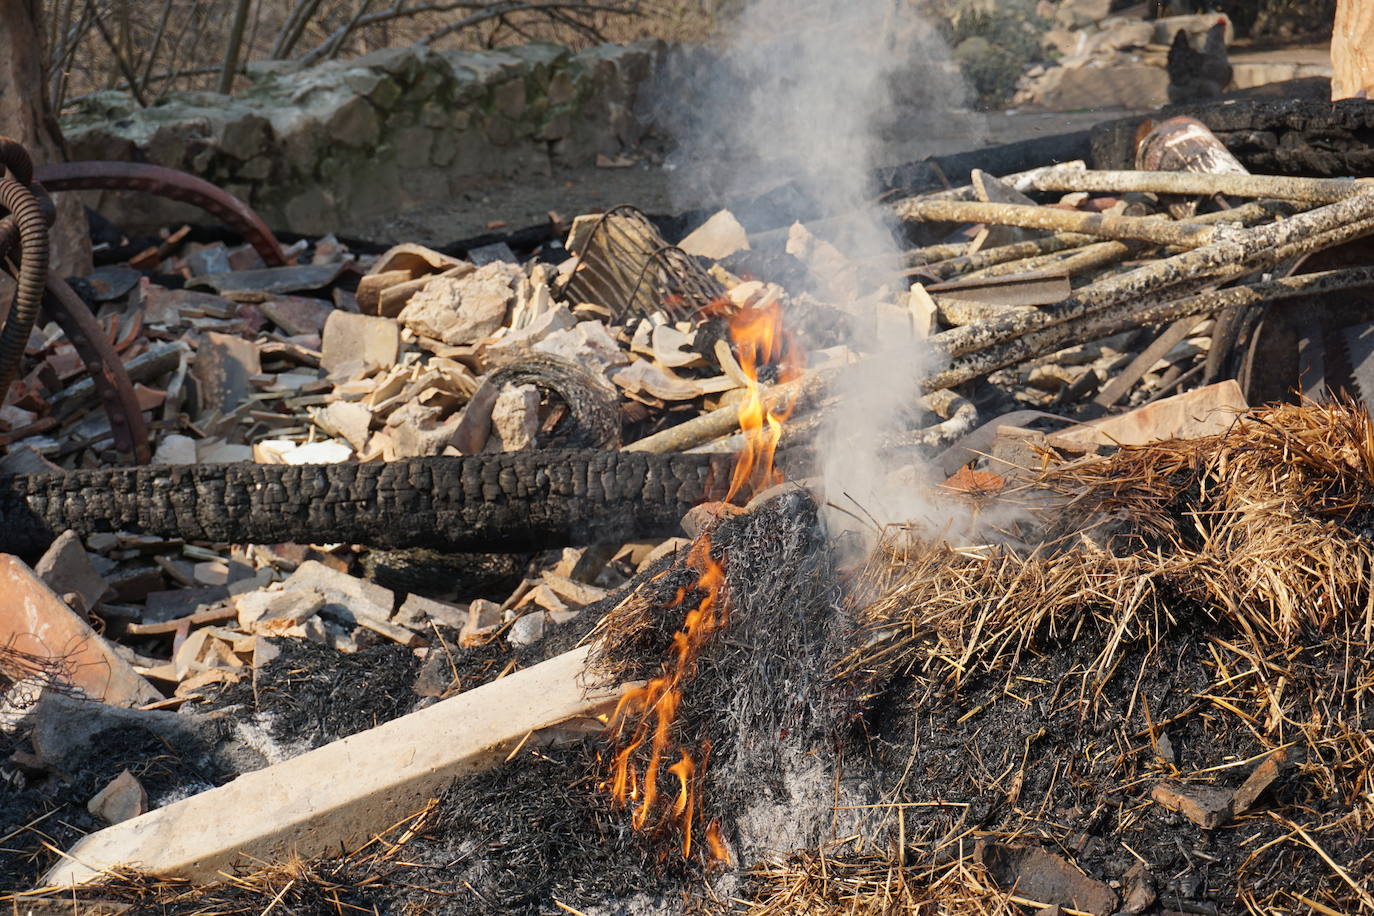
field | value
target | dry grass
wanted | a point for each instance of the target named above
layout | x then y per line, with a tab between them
837	884
1257	543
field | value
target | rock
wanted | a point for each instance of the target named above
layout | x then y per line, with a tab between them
224	366
175	449
1133	86
1067	43
370	339
547	322
122	799
717	238
63	726
1045	877
66	567
416	611
270	612
350	420
416	432
527	629
437	676
1195	25
484	617
1120	34
1207	806
515	418
347	598
463	310
1139	886
587	343
1074	14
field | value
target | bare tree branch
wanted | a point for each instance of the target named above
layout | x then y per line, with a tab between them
121	62
336	42
291	32
521	6
233	47
157	39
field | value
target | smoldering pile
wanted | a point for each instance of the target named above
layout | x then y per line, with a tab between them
1163	707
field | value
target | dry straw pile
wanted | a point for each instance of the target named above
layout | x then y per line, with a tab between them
1200	608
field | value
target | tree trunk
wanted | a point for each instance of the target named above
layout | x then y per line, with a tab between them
1352	50
513	502
24	116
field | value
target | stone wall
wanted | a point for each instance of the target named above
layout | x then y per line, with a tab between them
329	147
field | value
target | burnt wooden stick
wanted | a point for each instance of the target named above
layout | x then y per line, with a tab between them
1282	187
1246	214
1235	252
1088	258
1133	315
967	264
1125	380
725	420
511	502
1021	181
1103	225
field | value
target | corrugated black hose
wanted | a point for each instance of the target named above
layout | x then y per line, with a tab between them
32	272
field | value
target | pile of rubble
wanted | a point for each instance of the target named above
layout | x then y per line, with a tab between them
1097	59
312	698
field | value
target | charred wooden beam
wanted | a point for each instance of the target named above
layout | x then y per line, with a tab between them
517	501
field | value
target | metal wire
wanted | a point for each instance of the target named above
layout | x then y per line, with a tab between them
626	266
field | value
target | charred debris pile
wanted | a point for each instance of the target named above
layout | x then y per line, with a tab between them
511	583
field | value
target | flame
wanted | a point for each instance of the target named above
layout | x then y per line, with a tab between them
760	340
642	725
645	715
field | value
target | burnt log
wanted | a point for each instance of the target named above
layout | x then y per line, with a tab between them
510	502
1318	138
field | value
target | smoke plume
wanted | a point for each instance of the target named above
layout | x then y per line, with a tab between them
818	93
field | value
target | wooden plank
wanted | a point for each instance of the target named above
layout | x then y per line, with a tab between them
339	796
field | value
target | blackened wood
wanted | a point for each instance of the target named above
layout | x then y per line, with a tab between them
512	502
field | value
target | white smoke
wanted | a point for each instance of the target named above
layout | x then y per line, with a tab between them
819	93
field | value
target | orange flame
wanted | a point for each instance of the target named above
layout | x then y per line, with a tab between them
760	340
645	716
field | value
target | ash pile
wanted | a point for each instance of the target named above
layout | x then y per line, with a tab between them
635	569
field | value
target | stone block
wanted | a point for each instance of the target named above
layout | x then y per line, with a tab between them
354	123
413	145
